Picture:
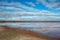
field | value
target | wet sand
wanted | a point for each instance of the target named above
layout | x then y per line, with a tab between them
7	33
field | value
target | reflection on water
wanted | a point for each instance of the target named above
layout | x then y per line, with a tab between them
53	33
32	24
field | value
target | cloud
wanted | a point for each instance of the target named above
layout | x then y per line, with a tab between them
57	8
9	8
7	3
37	16
24	13
27	7
30	3
48	13
50	3
21	7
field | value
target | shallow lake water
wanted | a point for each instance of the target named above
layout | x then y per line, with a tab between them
47	28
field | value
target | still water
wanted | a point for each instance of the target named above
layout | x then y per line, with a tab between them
32	24
47	28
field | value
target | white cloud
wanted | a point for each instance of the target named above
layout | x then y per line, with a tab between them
57	8
40	16
11	6
44	13
50	3
47	13
8	4
30	3
15	15
39	13
27	7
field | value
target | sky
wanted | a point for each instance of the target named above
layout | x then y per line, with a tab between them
41	10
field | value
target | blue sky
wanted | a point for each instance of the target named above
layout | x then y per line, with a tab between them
12	9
